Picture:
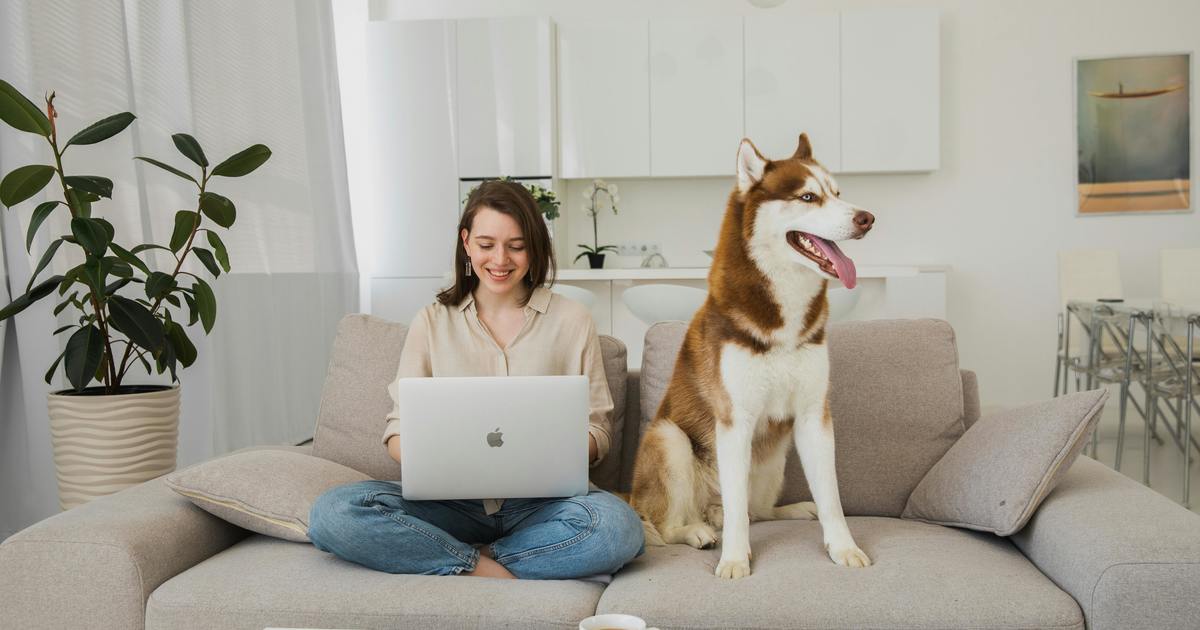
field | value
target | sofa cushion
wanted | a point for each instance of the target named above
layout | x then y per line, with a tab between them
266	491
896	397
355	400
265	582
999	472
923	576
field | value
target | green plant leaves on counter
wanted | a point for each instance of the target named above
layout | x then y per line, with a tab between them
24	183
20	113
102	130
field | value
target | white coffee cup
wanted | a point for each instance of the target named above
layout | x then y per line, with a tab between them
623	622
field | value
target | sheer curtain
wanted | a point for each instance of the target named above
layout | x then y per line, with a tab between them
231	73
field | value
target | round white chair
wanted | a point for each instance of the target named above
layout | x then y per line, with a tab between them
663	302
841	301
579	294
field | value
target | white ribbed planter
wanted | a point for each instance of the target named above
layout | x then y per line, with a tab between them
103	444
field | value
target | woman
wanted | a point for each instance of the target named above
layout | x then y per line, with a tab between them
497	319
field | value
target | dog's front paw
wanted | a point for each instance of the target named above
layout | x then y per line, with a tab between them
850	556
733	568
804	511
700	536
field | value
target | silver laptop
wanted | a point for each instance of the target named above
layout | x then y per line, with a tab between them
493	437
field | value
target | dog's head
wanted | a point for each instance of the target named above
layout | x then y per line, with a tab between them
797	213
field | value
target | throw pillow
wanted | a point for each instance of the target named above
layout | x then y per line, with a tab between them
997	474
264	491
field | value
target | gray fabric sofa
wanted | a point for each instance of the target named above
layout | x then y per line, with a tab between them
1102	552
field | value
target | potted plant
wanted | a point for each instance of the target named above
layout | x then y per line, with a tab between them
113	435
595	251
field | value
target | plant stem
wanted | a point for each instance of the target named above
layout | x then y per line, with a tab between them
110	371
125	365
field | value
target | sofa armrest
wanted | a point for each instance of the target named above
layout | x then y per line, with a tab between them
1129	556
95	565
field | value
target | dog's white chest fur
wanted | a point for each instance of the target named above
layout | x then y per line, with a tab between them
779	383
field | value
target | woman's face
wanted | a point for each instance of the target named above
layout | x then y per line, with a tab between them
497	250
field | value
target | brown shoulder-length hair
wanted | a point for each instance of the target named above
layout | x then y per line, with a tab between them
514	200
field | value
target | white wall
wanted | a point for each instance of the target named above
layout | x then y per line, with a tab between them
1000	206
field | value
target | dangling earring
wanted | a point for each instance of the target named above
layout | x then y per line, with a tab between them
467	268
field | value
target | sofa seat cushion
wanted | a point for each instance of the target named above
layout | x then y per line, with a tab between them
924	576
266	582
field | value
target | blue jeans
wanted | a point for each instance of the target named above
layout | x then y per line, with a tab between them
370	523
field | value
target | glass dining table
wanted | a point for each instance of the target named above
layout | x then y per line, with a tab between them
1150	343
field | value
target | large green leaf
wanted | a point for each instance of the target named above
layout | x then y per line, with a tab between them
91	235
95	273
165	358
80	202
24	183
85	348
206	303
184	350
168	168
243	162
29	297
20	113
102	130
185	222
129	257
206	257
158	284
91	183
193	312
47	256
143	247
218	208
188	146
54	366
113	287
219	249
136	321
40	214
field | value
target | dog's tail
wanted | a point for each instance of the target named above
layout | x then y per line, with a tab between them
653	538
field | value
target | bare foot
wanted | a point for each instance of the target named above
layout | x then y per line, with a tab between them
487	567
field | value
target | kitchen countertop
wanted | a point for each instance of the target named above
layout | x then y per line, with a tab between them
701	273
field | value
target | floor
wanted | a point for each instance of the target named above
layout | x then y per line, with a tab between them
1166	459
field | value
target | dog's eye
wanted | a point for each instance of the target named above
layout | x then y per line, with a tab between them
808	197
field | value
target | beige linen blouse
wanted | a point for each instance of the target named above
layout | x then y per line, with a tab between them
558	338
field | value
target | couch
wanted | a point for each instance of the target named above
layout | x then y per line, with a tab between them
1102	551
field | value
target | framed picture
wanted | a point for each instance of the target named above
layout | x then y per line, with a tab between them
1133	134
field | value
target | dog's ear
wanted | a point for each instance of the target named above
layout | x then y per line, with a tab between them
804	150
750	165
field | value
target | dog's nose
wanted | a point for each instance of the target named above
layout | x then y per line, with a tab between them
864	220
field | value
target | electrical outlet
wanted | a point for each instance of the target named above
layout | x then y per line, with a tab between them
638	248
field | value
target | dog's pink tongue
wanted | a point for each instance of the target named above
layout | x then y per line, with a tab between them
841	263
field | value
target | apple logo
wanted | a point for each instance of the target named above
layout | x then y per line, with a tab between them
494	438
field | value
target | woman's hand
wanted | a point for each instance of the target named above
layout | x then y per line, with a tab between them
593	450
393	447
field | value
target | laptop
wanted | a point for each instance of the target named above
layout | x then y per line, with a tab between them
493	437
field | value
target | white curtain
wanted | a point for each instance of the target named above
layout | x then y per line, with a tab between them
232	74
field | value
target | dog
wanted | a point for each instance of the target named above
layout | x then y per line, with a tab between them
754	369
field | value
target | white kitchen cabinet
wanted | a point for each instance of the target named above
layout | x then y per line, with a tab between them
890	90
504	97
696	119
793	85
413	178
603	97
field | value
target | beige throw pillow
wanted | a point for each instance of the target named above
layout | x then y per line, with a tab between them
265	491
997	474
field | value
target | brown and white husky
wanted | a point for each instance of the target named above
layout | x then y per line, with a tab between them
754	371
